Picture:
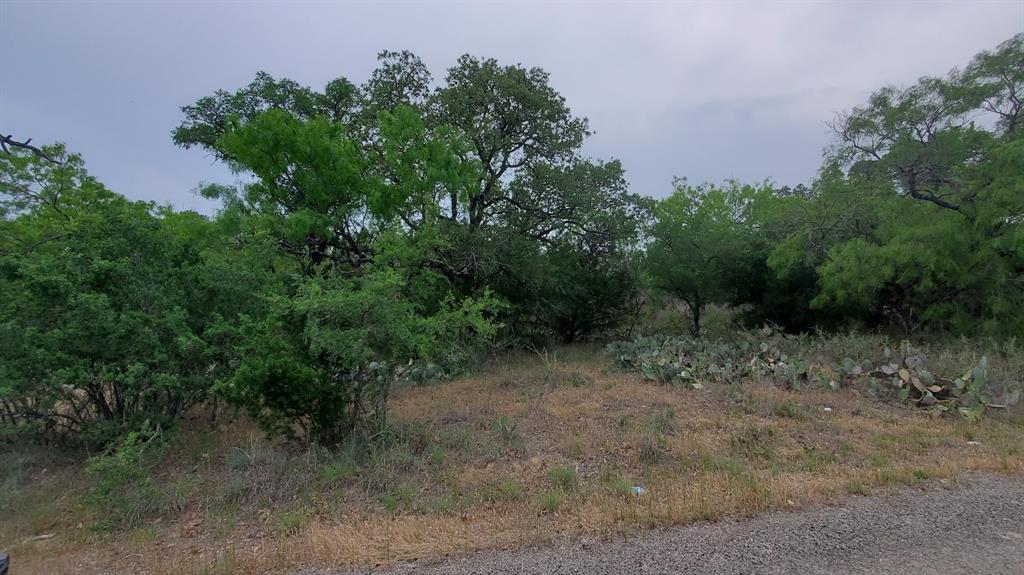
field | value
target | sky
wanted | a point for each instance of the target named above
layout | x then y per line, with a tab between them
702	90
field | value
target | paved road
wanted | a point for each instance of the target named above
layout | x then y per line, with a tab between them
977	527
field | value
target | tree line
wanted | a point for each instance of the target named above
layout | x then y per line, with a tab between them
391	231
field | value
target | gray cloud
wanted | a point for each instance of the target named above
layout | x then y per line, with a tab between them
703	90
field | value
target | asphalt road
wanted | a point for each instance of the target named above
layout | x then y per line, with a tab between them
975	527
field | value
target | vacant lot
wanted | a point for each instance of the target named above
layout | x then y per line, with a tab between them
531	448
978	528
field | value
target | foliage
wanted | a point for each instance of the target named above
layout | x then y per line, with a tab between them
701	246
478	196
941	187
324	361
110	315
791	362
385	232
124	493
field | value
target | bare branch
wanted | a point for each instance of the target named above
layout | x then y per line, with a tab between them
7	142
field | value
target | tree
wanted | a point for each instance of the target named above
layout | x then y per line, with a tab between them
355	200
483	164
946	200
514	120
700	244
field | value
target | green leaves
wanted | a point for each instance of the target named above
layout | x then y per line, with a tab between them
324	361
916	218
702	244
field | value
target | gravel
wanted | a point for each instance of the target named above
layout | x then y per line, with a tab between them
976	527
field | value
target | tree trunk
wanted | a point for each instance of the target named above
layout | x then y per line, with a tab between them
696	306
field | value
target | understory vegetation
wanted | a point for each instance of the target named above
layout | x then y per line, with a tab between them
426	323
528	449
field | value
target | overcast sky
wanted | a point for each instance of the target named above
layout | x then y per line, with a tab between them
708	91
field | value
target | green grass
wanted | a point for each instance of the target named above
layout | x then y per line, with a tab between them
550	501
563	477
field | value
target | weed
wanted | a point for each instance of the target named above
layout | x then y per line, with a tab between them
143	535
508	432
563	477
337	471
505	489
550	501
445	504
436	456
788	409
814	459
384	462
665	420
755	441
856	487
577	379
457	438
237	458
652	449
400	496
124	493
291	521
271	477
704	461
617	485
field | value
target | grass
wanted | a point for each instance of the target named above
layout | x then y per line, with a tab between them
531	449
550	501
563	477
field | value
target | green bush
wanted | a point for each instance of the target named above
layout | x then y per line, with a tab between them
323	362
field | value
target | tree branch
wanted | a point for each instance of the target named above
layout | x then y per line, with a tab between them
7	142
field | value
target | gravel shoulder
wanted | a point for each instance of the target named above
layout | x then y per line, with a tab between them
975	527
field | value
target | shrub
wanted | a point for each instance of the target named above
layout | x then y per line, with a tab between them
112	312
324	361
903	375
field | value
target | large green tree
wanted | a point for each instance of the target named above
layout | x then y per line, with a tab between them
701	244
939	163
477	173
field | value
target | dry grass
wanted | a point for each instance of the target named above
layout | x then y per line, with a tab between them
471	460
